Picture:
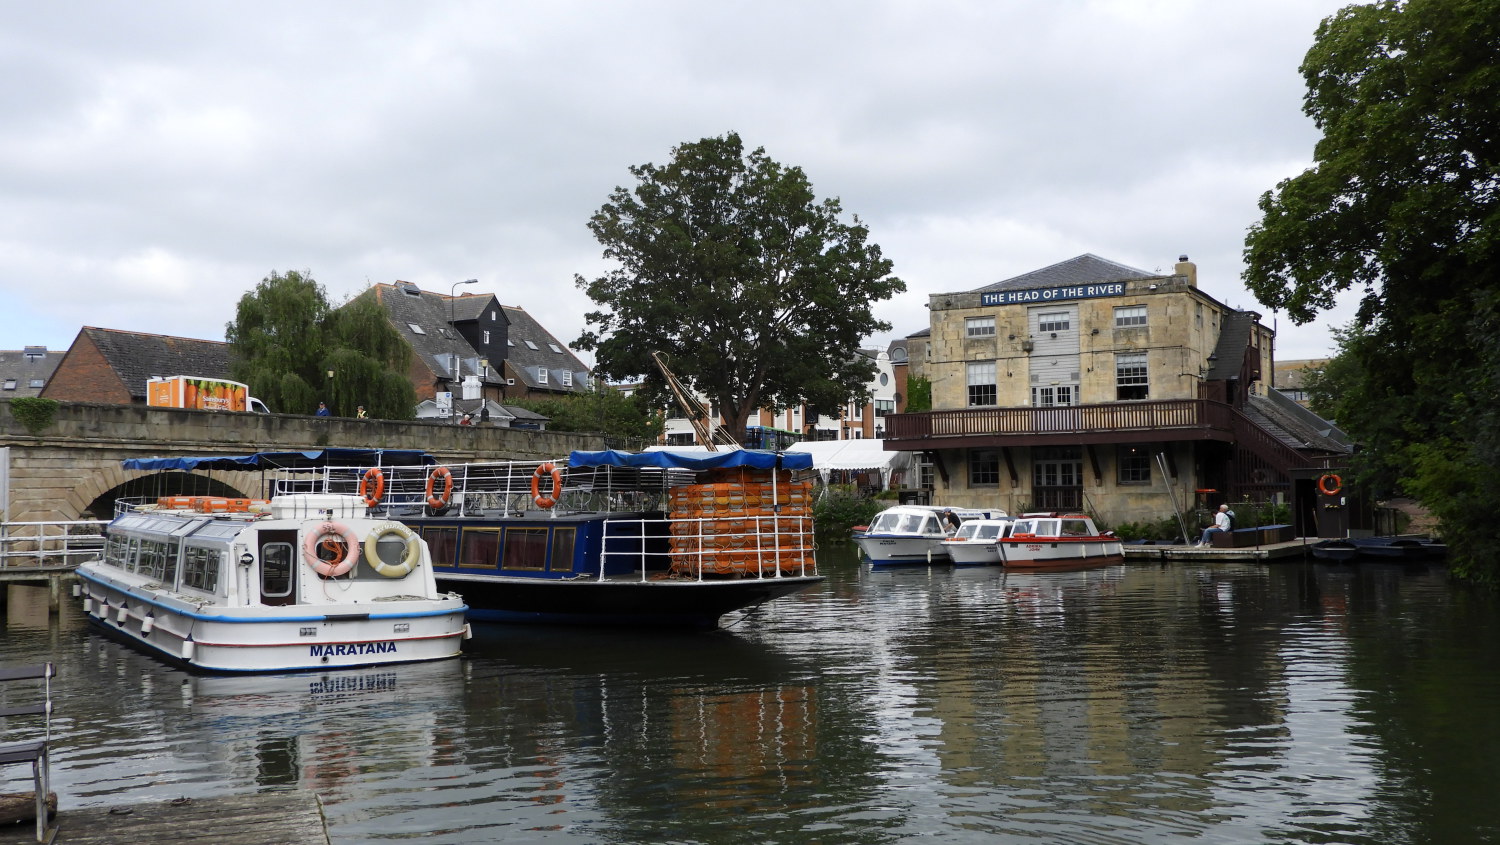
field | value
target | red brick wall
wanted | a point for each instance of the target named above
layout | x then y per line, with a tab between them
85	376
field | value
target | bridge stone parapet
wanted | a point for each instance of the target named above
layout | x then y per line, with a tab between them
57	472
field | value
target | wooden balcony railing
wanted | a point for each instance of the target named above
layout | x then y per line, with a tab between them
1077	419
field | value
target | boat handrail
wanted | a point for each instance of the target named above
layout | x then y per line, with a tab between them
747	546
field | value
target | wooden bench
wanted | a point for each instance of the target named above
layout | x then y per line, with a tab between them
33	751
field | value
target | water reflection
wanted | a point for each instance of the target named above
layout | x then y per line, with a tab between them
1224	703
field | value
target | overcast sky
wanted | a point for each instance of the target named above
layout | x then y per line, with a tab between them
159	159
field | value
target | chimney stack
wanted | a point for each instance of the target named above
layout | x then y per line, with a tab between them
1188	269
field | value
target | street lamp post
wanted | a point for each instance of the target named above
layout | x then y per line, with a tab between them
452	297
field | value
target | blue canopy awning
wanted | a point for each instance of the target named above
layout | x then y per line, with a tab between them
312	459
753	458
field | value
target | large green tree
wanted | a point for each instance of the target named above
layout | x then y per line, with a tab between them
286	339
1403	204
599	409
755	291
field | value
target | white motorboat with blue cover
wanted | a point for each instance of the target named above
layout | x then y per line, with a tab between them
297	582
913	533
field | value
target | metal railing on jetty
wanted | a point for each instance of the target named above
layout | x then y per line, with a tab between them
50	545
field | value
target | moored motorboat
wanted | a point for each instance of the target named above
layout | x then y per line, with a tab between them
913	533
977	542
1059	540
298	582
1336	551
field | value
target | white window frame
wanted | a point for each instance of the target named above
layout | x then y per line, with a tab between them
979	327
1130	316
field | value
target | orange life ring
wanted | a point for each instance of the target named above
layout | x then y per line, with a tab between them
438	501
331	531
543	471
1330	484
373	477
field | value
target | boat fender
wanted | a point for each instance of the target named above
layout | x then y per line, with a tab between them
412	555
333	568
543	471
1330	484
437	500
372	486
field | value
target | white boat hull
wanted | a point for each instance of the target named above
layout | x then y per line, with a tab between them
973	553
265	639
1061	553
893	550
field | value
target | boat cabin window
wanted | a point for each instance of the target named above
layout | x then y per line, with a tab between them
155	562
561	559
276	561
1075	528
1044	528
1022	526
200	568
481	547
967	531
525	548
117	552
442	543
985	532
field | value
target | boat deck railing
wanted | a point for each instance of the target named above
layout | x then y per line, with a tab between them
704	549
494	489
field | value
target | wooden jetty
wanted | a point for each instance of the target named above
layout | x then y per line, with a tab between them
1294	549
263	818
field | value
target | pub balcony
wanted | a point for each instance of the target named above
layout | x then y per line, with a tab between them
1115	422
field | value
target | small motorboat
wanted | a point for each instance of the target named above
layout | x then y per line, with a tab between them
977	542
1058	540
913	533
1335	551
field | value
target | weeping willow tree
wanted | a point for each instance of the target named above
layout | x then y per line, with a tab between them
295	350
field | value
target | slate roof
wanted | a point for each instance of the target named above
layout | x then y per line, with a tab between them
549	354
23	366
1080	270
135	357
1234	339
1294	425
435	343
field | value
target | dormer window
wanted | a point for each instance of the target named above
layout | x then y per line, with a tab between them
541	376
567	378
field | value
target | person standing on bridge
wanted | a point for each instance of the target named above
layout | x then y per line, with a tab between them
359	412
323	410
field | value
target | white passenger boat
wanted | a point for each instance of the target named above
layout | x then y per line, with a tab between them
977	542
297	582
913	533
1059	541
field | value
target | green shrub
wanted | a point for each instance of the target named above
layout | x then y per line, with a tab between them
840	508
34	413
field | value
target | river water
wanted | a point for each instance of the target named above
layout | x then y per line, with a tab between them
1134	704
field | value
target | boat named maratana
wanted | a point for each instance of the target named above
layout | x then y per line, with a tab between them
297	582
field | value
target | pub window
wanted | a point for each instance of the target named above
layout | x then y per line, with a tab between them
525	548
1127	316
984	467
480	547
1130	376
979	327
982	390
1052	321
1133	465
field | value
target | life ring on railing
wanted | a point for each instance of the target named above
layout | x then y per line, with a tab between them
438	501
372	478
547	501
331	531
1330	484
412	555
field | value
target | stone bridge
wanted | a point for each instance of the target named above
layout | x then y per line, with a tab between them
71	466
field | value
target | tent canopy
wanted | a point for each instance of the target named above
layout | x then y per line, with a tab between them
692	459
854	455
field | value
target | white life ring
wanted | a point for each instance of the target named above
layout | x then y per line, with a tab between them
412	557
335	568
